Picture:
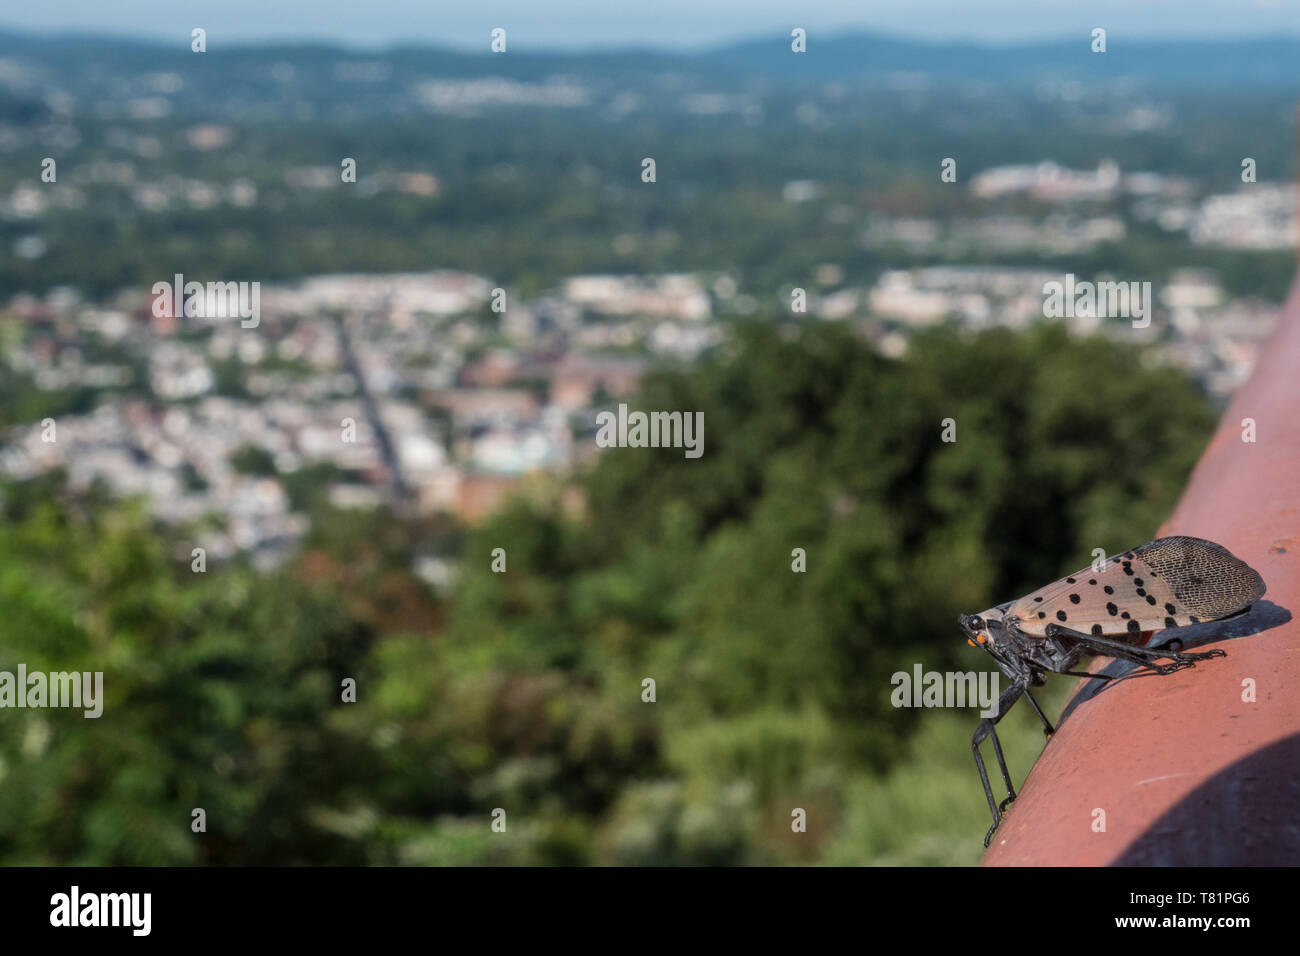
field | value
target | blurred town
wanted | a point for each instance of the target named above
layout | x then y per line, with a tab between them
462	386
409	389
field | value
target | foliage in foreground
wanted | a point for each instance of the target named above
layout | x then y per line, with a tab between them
523	690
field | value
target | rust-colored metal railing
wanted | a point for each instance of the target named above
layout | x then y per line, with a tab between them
1188	769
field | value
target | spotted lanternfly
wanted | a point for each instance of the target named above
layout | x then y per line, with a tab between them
1117	612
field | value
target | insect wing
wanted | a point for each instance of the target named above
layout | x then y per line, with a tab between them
1170	582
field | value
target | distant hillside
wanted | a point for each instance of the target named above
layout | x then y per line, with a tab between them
851	58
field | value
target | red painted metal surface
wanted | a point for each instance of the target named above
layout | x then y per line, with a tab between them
1185	770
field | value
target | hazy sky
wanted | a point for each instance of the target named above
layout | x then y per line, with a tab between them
663	23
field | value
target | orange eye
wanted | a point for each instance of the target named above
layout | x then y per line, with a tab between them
982	638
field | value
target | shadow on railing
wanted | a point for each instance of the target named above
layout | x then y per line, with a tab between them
1188	769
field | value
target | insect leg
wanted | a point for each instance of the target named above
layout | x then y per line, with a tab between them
1048	729
1067	657
983	730
986	729
1138	655
1100	677
1085	646
1125	652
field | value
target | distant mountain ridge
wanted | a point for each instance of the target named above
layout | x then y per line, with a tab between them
1269	62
